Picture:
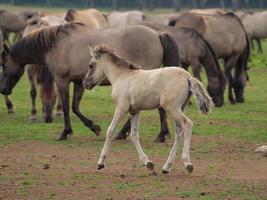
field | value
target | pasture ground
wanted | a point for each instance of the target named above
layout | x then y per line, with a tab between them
35	166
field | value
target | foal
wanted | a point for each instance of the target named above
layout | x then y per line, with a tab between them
134	89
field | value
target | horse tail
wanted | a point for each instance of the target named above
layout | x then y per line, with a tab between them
203	100
242	62
170	50
46	81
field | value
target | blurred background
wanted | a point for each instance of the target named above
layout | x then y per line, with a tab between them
141	4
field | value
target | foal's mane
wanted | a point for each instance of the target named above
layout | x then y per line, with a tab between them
103	49
34	46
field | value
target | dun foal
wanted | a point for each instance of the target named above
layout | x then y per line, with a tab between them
134	89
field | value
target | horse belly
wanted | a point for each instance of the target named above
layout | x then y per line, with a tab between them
145	102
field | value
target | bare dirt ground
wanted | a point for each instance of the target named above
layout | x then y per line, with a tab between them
223	169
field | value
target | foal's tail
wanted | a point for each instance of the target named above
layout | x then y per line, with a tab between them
170	50
203	100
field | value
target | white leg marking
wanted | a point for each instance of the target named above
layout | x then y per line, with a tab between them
119	113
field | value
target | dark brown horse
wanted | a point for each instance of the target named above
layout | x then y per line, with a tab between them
228	38
64	49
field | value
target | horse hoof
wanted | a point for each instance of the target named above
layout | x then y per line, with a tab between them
100	166
241	100
150	166
160	139
32	119
48	119
190	168
63	136
59	113
121	136
232	101
96	129
11	111
165	171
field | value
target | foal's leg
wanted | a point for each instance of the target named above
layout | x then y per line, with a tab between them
63	88
161	136
119	113
77	96
9	105
183	126
135	140
259	46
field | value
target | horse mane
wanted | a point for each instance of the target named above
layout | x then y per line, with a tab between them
34	46
116	58
195	33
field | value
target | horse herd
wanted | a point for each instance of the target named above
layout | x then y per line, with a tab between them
53	48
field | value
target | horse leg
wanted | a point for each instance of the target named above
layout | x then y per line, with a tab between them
164	126
196	71
77	96
119	113
179	132
125	129
229	65
259	46
48	98
135	140
63	88
9	105
59	111
33	93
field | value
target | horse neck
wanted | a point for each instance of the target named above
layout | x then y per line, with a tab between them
113	72
210	65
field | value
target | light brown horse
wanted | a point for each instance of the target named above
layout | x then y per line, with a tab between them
63	49
91	18
122	19
134	90
228	39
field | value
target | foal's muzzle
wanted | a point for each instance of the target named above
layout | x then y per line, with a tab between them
88	84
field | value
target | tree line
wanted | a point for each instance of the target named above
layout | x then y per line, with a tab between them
144	4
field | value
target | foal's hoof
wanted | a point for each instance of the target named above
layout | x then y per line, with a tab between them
165	171
100	166
190	168
150	165
121	136
96	129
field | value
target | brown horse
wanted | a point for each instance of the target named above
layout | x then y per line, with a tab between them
228	38
64	50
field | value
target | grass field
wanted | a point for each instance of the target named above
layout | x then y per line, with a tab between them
33	165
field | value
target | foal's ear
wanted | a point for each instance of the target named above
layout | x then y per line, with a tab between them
91	51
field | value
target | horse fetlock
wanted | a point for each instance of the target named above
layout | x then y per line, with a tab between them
96	129
33	119
121	136
48	119
64	135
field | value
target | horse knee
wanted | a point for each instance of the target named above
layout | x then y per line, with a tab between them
33	92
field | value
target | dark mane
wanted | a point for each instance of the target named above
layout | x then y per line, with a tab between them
32	48
195	33
116	58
